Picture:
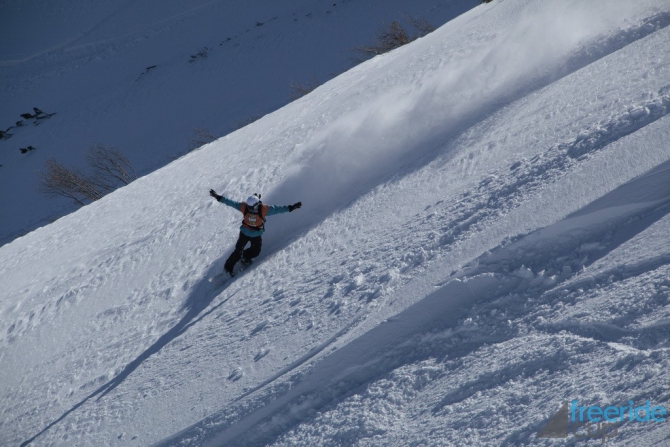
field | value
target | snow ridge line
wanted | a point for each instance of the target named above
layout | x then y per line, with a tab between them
611	220
550	261
620	273
609	332
624	37
634	119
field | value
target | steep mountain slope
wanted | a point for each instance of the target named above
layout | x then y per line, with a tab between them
483	237
141	76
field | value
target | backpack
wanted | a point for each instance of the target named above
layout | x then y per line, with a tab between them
254	220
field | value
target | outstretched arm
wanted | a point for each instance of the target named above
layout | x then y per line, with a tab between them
278	209
225	200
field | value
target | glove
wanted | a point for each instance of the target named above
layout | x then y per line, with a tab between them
214	194
296	205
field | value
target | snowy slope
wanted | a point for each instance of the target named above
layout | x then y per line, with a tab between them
483	237
140	76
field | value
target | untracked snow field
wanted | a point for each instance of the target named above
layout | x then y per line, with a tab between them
483	238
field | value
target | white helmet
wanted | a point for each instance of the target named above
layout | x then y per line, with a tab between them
253	200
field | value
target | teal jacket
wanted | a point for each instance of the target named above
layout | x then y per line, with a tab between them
269	211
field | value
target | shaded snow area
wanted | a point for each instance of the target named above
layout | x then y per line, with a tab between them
156	78
483	239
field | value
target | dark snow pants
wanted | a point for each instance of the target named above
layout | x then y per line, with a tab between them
239	252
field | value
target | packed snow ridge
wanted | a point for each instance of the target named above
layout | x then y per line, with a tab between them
483	239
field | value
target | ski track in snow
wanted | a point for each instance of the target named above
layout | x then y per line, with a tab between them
334	338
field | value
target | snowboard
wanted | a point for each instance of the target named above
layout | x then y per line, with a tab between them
220	279
225	277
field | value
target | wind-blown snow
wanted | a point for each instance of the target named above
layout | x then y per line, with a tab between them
483	237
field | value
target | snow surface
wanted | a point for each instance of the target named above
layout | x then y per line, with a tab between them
483	237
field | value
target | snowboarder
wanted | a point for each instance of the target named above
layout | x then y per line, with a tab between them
252	228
